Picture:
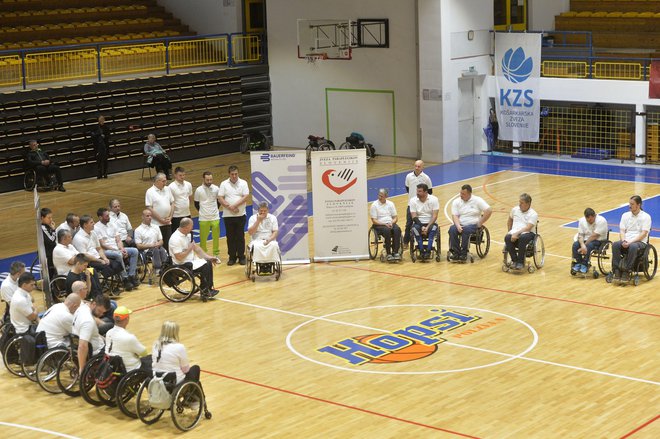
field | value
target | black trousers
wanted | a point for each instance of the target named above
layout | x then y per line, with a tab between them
206	273
166	231
235	226
101	163
45	171
162	164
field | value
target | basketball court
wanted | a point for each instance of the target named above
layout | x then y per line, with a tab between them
495	354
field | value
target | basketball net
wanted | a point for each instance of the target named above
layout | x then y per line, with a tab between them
312	58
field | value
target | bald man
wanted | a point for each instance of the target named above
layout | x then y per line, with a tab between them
58	320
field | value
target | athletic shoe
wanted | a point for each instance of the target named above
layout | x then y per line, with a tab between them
576	268
389	258
397	257
241	261
134	280
583	269
61	188
231	261
128	285
463	258
213	292
519	266
625	277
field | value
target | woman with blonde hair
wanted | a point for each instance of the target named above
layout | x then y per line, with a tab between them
169	355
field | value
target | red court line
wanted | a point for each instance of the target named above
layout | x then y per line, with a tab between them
339	404
536	296
640	427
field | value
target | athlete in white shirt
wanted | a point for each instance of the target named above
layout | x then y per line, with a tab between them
634	230
233	195
150	241
10	285
57	322
21	310
206	202
120	342
121	222
468	213
160	201
384	219
592	232
182	192
64	253
424	210
414	178
85	326
263	229
522	220
170	356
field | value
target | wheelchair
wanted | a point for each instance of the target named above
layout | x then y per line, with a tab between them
187	403
317	143
356	141
603	255
261	269
11	351
144	268
415	252
67	372
377	241
646	263
58	288
256	142
481	241
179	282
127	390
535	251
42	183
47	368
90	389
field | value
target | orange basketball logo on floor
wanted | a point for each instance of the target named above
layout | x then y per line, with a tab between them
415	351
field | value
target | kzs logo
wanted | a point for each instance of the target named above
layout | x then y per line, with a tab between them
515	67
338	181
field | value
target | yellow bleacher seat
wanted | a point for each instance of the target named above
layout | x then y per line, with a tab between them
630	15
38	13
645	14
599	14
584	14
569	14
614	14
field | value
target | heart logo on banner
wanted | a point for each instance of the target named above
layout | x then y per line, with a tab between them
344	175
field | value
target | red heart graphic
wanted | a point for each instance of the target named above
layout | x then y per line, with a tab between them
325	178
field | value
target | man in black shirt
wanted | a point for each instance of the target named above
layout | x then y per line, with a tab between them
101	138
41	163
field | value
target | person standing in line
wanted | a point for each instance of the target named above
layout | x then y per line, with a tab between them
206	202
233	198
183	194
160	201
417	176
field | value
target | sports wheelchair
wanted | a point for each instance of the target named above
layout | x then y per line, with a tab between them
646	263
535	251
47	368
481	241
603	254
42	182
254	269
256	142
187	403
179	282
416	253
356	141
377	241
317	143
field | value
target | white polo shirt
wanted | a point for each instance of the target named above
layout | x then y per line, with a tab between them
207	197
181	193
122	224
107	234
522	219
383	212
585	230
634	225
160	201
424	209
173	358
19	310
180	242
87	243
84	326
64	226
147	234
469	212
61	256
413	180
232	193
57	322
266	227
126	345
8	288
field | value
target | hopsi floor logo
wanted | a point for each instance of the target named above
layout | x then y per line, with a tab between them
515	67
410	343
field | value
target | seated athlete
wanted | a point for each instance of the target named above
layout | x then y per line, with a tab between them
384	219
424	210
592	232
263	229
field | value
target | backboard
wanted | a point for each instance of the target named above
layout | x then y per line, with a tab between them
330	38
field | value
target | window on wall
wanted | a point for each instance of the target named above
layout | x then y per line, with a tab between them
254	15
510	14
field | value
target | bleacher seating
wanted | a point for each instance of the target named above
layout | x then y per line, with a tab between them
193	114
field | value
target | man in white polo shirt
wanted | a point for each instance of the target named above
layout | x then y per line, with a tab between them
10	285
468	213
64	253
417	176
85	325
592	233
87	242
520	224
120	342
424	210
182	192
21	310
72	224
384	219
263	229
184	251
634	229
206	202
150	241
233	197
160	201
121	222
57	321
114	248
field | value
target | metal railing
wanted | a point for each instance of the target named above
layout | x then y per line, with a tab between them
101	60
653	135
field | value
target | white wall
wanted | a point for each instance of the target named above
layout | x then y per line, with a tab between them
541	13
207	16
298	88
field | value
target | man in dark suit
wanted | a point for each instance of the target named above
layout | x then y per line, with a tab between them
41	163
101	137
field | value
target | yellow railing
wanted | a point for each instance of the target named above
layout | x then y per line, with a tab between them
193	53
653	136
245	48
565	69
618	70
120	60
10	70
62	65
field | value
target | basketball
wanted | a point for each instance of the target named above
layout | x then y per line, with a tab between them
413	352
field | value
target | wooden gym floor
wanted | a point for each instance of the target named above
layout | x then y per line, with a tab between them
545	355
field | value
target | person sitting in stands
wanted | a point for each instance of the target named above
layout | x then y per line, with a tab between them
156	156
43	165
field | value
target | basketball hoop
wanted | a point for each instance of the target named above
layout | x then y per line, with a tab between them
312	58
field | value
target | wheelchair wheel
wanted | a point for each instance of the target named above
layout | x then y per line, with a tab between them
604	256
47	369
651	263
177	284
145	412
482	242
109	284
187	405
67	375
35	268
88	380
438	247
29	179
373	243
245	143
58	289
11	356
127	389
346	145
142	267
248	263
539	252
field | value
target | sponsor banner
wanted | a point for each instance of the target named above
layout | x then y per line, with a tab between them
280	179
341	220
517	72
654	80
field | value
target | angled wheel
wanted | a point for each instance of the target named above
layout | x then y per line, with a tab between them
245	143
187	405
67	375
482	242
88	380
278	268
11	356
605	258
346	145
248	263
177	284
539	252
651	263
47	369
145	412
29	179
438	247
142	267
35	268
58	289
127	390
373	243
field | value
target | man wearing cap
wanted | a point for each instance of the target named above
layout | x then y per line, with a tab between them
57	322
120	342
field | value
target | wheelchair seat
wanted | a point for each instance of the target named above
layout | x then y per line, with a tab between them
534	254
